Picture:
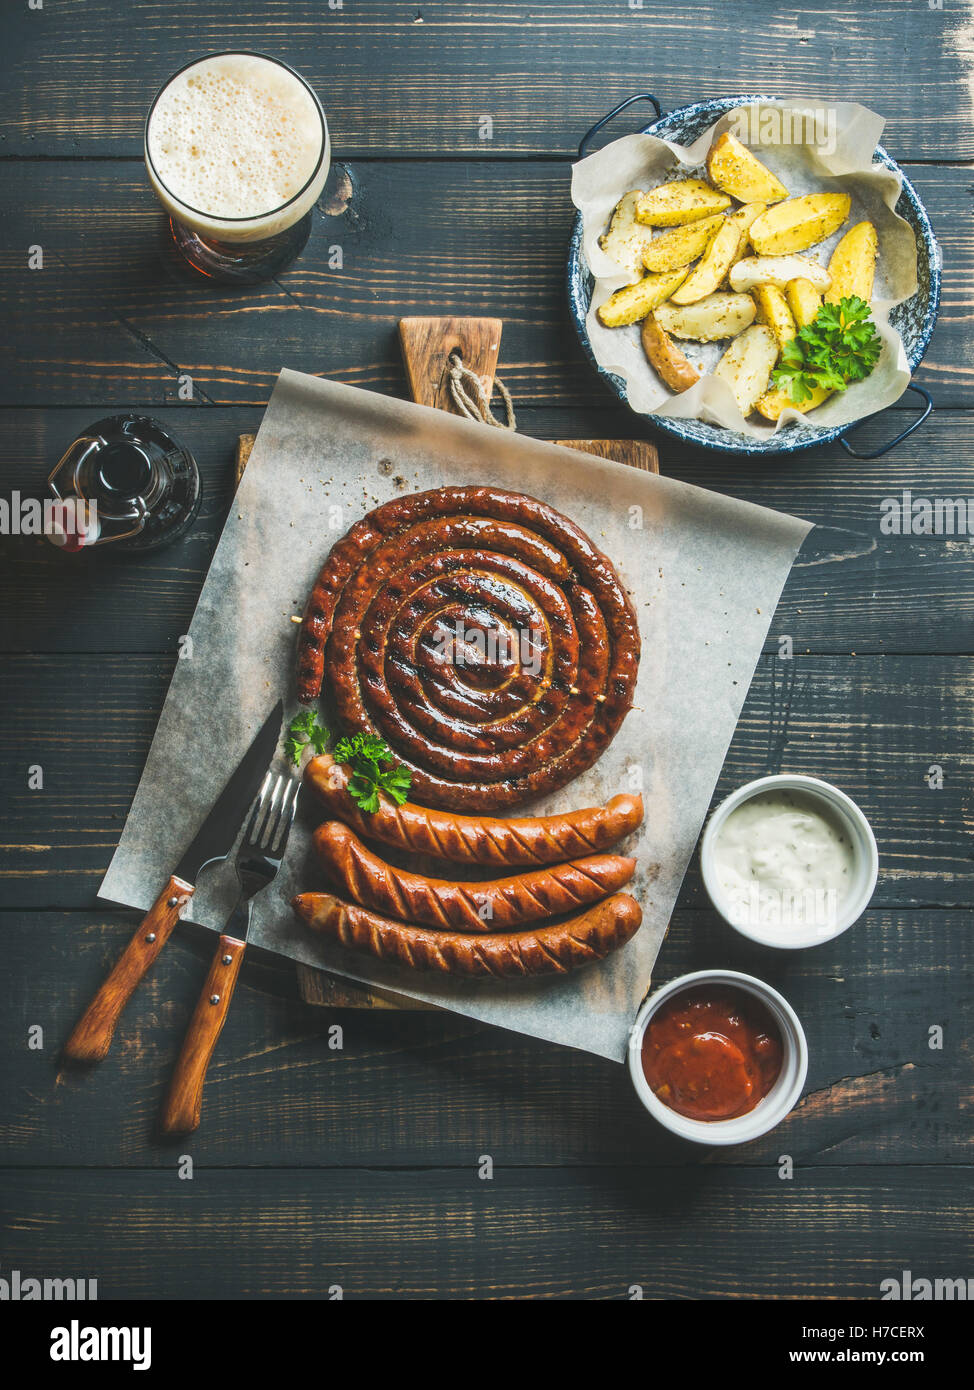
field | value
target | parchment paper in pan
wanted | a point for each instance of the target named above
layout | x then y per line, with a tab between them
642	161
704	571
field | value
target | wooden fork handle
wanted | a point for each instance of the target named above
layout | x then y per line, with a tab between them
185	1100
92	1035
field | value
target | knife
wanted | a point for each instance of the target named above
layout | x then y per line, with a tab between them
92	1036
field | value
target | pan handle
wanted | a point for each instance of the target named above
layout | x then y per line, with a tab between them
885	449
594	130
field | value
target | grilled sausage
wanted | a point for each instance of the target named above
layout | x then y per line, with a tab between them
499	905
552	950
482	635
476	839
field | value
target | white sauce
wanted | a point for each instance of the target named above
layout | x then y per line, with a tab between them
784	860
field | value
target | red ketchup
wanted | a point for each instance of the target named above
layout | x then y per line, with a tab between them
712	1052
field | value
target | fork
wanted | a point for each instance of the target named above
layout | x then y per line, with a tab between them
258	858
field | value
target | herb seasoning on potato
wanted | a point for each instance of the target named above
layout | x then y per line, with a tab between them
687	200
796	330
733	169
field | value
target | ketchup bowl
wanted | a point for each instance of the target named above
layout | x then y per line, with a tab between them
718	1044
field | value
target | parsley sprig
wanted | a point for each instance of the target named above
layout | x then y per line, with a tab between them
370	759
839	346
368	746
304	731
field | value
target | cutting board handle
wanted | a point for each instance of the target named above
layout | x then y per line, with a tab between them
426	347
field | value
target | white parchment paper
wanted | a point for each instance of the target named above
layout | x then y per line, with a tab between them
704	572
643	161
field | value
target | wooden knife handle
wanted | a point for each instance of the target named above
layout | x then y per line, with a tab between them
184	1102
92	1036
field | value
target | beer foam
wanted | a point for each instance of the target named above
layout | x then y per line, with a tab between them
235	136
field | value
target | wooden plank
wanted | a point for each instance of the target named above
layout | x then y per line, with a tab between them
111	319
419	1090
875	727
324	991
637	453
547	1234
421	79
430	347
432	1090
908	594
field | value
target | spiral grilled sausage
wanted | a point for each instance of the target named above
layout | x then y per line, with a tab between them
498	905
504	843
482	635
582	940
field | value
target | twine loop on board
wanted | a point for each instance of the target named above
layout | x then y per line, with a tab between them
475	404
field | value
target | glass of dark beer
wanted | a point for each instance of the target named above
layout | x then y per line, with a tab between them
237	150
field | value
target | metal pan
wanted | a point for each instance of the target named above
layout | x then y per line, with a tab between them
914	319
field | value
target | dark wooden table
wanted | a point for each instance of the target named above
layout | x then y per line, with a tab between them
358	1165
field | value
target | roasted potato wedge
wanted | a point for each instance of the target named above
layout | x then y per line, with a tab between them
773	310
680	245
772	403
747	364
735	170
853	264
665	358
804	300
627	239
742	219
686	200
798	223
718	316
713	265
634	302
777	270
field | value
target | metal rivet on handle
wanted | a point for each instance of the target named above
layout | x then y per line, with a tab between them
173	902
214	999
227	960
151	936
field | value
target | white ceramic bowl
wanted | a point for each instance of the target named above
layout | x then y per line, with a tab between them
770	1111
865	873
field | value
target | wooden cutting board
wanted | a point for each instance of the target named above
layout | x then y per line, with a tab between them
426	347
